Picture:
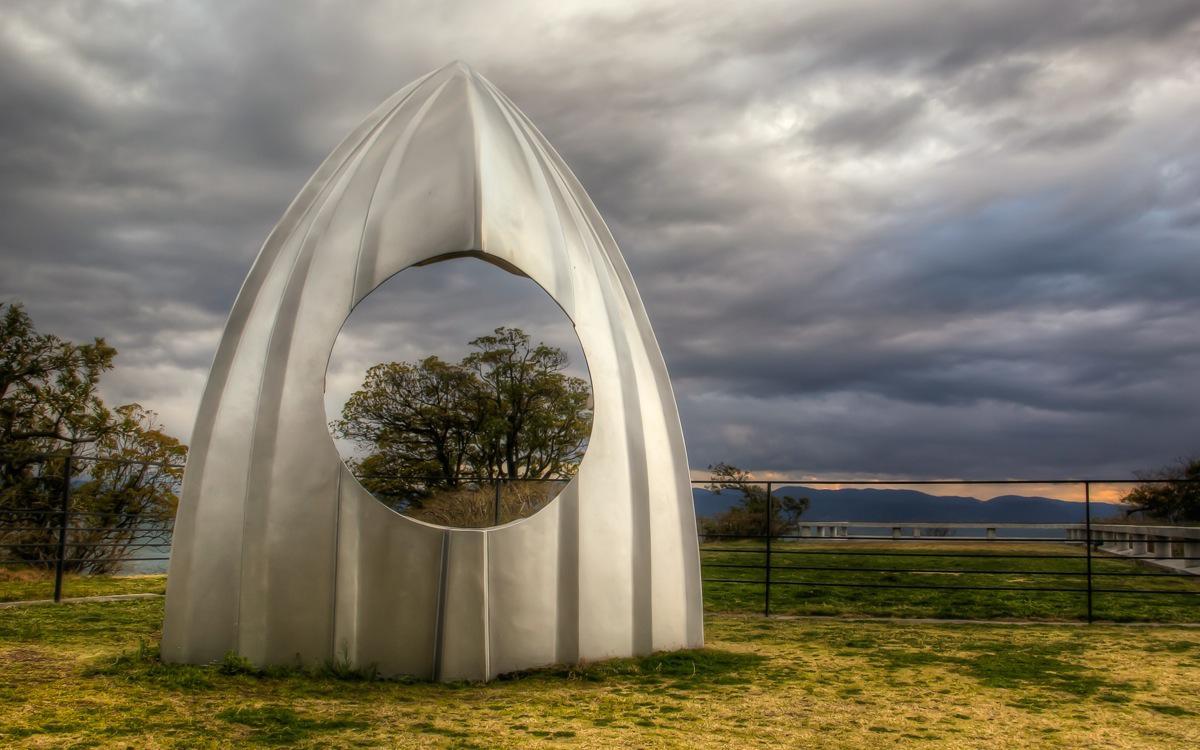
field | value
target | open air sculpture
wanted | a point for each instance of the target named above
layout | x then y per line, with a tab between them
280	555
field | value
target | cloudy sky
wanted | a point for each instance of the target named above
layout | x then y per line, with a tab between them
920	239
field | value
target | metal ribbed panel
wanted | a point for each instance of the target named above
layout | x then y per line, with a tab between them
280	554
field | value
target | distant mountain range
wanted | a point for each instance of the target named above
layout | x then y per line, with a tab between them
912	506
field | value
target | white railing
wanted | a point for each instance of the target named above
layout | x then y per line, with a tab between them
1174	547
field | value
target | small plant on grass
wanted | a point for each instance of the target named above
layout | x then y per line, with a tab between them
341	667
234	663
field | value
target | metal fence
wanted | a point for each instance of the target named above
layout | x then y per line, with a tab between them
797	555
41	528
1149	552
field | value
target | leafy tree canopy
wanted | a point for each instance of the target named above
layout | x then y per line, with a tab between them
749	516
50	408
1173	501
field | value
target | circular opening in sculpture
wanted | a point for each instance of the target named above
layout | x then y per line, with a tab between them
458	394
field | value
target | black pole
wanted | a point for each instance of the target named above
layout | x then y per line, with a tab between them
62	528
767	589
1087	510
496	503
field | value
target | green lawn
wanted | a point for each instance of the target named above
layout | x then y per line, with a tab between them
86	675
828	563
25	585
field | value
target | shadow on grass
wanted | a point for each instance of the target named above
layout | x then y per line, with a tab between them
146	665
281	725
1042	673
692	668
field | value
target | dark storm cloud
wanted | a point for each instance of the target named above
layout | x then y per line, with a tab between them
868	127
943	38
924	238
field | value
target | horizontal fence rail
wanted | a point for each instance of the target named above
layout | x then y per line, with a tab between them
1174	549
1094	557
40	529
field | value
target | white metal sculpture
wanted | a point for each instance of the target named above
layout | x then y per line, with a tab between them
280	555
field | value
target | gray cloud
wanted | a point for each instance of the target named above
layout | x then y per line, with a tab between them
869	126
928	239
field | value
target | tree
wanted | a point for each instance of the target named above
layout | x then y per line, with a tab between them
506	411
48	398
129	499
749	516
1172	501
50	410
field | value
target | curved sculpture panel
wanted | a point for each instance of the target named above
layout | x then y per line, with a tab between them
280	555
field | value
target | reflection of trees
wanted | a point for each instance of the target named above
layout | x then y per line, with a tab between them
506	411
478	505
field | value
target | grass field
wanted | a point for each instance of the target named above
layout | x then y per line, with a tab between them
86	675
26	585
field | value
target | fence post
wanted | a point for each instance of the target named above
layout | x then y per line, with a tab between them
496	503
767	591
1087	517
64	514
